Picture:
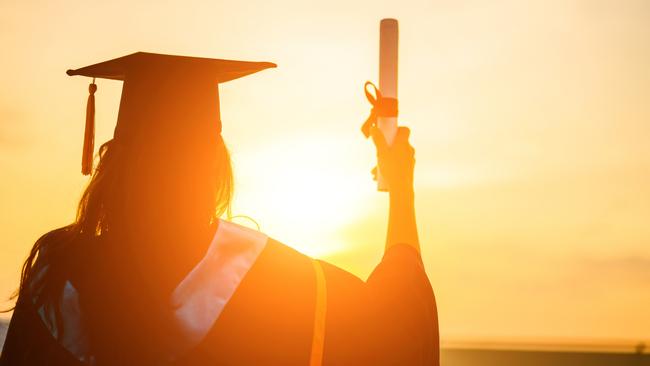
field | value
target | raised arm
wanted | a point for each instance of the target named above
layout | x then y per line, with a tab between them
396	163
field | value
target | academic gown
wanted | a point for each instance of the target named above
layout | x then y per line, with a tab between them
255	301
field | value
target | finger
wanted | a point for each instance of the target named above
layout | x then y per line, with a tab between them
379	139
374	173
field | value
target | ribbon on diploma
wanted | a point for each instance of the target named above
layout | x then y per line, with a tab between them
381	107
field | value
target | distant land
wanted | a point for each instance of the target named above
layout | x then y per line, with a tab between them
543	354
503	357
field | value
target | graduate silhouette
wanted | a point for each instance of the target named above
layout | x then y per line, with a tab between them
148	274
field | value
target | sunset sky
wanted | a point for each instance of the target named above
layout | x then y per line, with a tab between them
530	119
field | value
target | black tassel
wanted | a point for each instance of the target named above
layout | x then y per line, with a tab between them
89	135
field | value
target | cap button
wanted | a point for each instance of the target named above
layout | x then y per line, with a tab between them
92	88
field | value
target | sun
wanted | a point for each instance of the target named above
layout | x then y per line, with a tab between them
302	192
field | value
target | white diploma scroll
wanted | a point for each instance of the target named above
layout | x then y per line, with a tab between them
388	42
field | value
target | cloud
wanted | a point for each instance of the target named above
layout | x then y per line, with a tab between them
630	267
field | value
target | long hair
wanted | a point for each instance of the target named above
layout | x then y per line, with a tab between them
143	218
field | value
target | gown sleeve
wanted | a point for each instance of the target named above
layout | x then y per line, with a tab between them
390	319
28	341
403	320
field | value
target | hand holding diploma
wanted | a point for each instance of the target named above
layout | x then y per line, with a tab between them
396	162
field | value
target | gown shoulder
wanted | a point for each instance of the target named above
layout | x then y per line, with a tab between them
390	318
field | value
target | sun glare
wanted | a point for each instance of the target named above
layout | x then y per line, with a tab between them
299	192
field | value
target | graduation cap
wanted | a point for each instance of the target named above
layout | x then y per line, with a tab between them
165	98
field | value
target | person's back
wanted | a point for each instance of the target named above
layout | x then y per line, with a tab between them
148	274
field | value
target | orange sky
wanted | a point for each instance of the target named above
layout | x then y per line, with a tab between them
530	121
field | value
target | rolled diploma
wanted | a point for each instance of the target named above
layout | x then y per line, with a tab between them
388	42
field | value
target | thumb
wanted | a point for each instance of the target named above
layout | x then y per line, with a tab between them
379	139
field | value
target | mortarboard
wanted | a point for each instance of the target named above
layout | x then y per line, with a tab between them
159	93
